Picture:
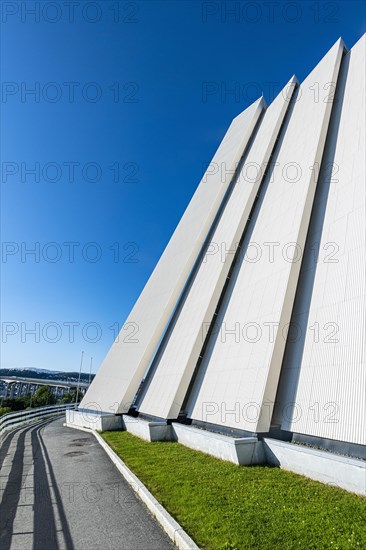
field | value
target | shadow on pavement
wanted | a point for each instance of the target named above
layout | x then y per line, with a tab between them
47	498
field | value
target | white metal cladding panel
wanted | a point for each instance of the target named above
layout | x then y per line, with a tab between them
329	388
119	376
170	382
240	372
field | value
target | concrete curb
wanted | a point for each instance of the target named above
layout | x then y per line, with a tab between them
172	528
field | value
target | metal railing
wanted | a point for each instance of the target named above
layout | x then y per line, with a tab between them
12	420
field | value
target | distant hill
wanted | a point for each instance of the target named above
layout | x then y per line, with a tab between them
46	374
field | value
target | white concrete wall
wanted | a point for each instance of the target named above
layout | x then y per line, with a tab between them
240	371
119	376
244	451
170	382
325	376
339	471
150	431
93	420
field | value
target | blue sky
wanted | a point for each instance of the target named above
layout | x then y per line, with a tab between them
130	101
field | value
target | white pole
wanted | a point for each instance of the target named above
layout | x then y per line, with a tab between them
77	391
90	371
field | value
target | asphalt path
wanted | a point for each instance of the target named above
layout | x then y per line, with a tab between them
60	490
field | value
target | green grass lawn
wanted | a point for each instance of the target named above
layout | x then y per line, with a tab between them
223	506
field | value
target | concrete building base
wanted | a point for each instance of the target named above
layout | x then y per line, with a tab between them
145	429
93	420
346	473
243	451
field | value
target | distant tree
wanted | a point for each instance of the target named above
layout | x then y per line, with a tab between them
43	396
15	403
4	410
27	400
68	397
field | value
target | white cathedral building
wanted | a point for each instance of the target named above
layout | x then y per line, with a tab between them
250	332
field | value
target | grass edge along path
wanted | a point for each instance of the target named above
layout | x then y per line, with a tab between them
227	507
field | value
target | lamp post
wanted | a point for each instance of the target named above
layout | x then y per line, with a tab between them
90	371
77	390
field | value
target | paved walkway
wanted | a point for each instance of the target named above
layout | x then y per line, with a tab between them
59	490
